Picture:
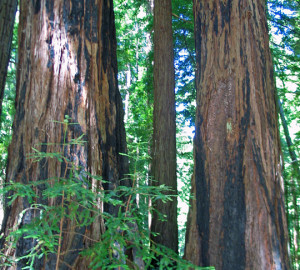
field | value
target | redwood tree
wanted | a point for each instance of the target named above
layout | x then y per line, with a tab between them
67	66
237	220
8	10
164	124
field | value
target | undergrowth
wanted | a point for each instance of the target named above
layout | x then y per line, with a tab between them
77	203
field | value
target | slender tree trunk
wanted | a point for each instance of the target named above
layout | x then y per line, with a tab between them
292	187
67	66
164	137
237	220
293	155
8	10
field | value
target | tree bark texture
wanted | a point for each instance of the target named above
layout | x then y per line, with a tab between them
164	124
8	10
237	220
67	66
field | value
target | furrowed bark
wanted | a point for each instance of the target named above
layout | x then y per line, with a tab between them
67	66
164	136
237	220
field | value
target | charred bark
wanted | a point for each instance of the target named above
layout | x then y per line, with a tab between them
67	66
237	220
164	136
8	10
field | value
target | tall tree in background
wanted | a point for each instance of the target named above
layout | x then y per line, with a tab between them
134	19
8	10
67	66
237	220
164	133
285	44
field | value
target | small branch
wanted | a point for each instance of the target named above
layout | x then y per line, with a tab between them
80	234
187	21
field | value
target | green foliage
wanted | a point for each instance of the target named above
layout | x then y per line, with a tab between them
185	168
184	48
8	104
134	29
134	25
184	54
285	46
77	203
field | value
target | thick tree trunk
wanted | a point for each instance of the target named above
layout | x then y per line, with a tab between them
237	220
67	66
8	10
164	137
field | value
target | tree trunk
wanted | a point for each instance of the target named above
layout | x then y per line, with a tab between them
293	155
67	66
8	10
292	188
164	137
237	220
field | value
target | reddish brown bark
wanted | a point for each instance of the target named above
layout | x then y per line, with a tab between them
8	10
67	66
164	133
237	220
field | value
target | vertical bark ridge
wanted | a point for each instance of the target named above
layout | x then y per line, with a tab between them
164	125
239	191
67	66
